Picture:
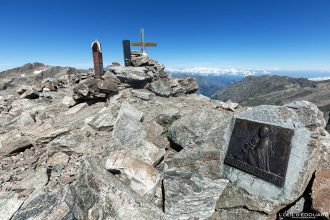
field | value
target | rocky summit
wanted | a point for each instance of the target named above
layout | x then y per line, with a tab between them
139	144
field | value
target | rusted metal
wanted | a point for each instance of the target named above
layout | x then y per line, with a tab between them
127	52
142	43
97	59
260	149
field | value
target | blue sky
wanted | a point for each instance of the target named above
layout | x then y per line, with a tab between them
247	34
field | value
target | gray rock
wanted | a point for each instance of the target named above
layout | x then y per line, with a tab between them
25	119
108	87
10	145
110	76
10	202
30	93
103	121
50	134
142	94
35	180
22	89
305	120
192	179
58	158
160	88
68	101
75	141
189	85
75	109
49	203
194	128
91	89
135	76
168	117
129	110
298	207
101	195
140	61
129	134
143	177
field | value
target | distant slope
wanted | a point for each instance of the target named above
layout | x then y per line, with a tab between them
30	74
259	90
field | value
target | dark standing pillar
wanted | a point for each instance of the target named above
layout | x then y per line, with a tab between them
127	52
97	59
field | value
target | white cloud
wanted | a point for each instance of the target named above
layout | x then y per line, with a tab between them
320	78
216	71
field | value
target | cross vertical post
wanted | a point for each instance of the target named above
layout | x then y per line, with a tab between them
142	40
142	43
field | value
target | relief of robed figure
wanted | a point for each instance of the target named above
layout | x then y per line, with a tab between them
258	150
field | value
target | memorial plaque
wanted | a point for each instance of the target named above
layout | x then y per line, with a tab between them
260	149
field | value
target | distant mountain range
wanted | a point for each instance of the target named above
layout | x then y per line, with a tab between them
250	88
277	90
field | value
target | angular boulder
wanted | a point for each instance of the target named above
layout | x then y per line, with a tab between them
10	202
140	60
160	88
134	76
143	177
129	134
308	125
30	93
102	195
193	181
142	94
103	121
68	101
49	203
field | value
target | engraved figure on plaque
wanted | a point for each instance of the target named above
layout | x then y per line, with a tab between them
260	149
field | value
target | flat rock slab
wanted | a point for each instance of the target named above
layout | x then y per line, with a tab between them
193	197
103	121
9	204
35	180
48	203
102	196
129	134
12	142
58	158
143	177
68	101
142	94
192	181
75	109
129	110
130	74
160	88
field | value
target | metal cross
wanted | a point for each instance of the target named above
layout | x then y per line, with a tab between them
142	43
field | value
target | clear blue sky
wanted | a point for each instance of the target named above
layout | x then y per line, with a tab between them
254	34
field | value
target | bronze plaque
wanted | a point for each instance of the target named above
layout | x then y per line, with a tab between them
260	149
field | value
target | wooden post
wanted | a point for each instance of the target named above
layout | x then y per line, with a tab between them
97	59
